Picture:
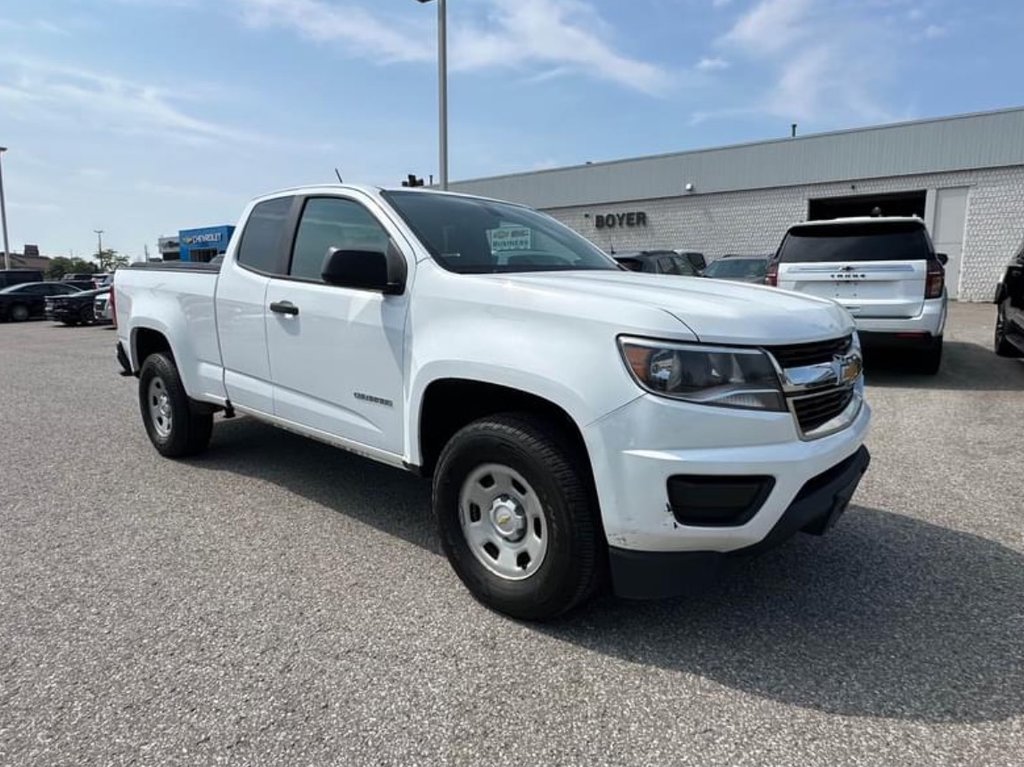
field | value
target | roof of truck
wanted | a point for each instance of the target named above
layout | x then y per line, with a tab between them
861	220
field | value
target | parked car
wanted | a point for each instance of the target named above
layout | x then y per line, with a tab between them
696	259
1009	300
102	280
10	277
79	284
656	262
73	308
103	307
739	268
884	271
574	416
26	301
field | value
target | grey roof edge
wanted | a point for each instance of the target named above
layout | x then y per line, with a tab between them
753	188
744	144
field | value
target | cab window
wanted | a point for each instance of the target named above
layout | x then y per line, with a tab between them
333	222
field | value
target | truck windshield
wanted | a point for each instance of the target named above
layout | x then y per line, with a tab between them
474	236
903	241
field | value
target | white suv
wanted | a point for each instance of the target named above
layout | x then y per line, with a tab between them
884	271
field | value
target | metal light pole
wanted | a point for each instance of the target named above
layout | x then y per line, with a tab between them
442	90
99	245
3	212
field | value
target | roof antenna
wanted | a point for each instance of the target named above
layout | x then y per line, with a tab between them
792	130
339	176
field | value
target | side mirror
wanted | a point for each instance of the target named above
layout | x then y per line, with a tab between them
943	258
365	270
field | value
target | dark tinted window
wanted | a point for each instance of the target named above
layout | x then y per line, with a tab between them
683	266
666	265
903	241
475	236
331	222
260	247
738	267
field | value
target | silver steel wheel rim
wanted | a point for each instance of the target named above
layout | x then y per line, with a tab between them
999	324
503	521
159	407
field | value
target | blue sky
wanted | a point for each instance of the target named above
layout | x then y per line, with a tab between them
142	117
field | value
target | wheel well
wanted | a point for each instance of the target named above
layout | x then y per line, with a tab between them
451	403
149	342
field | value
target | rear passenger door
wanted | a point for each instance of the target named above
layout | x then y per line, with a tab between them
336	353
241	305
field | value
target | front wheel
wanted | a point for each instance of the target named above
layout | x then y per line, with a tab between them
516	516
85	315
173	425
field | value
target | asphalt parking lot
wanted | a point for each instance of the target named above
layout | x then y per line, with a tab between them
279	601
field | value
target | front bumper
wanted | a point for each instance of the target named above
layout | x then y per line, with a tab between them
660	574
930	322
636	449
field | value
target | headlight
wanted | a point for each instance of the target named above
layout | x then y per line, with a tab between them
709	375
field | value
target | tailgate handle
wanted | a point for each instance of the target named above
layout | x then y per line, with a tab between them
284	307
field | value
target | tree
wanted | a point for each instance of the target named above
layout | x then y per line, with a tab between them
62	265
110	260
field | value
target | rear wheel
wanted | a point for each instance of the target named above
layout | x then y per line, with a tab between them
172	423
929	359
19	313
1002	346
516	516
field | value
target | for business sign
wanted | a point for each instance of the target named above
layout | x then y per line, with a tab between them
506	238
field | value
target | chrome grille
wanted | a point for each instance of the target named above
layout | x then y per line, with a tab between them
815	410
799	355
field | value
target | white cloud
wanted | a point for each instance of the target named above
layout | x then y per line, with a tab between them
935	31
770	26
558	36
712	63
60	94
364	34
828	64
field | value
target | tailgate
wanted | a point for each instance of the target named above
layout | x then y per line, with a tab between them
889	289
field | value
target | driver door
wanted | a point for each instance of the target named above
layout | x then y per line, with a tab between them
336	353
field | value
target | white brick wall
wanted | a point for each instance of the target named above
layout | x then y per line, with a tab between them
754	221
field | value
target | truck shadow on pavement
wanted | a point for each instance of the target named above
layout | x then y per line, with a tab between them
886	616
965	367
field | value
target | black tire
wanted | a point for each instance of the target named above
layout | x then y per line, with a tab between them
929	360
85	316
186	432
1002	346
18	313
69	323
574	562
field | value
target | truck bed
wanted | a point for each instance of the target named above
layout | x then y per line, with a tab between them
181	293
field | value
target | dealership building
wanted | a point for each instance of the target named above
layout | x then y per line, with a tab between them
203	244
963	175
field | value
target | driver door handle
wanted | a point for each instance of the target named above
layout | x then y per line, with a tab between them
284	307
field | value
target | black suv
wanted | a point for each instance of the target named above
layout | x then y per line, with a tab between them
656	262
1009	340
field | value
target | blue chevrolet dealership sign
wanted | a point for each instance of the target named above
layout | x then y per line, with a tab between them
209	238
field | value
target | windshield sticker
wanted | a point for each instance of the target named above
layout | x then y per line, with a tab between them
507	238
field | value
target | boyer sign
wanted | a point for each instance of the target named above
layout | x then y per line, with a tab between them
631	219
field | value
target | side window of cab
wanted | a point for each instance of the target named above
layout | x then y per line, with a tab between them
333	222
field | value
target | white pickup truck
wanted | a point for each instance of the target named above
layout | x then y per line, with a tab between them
579	421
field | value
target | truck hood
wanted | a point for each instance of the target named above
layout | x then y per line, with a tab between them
713	310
